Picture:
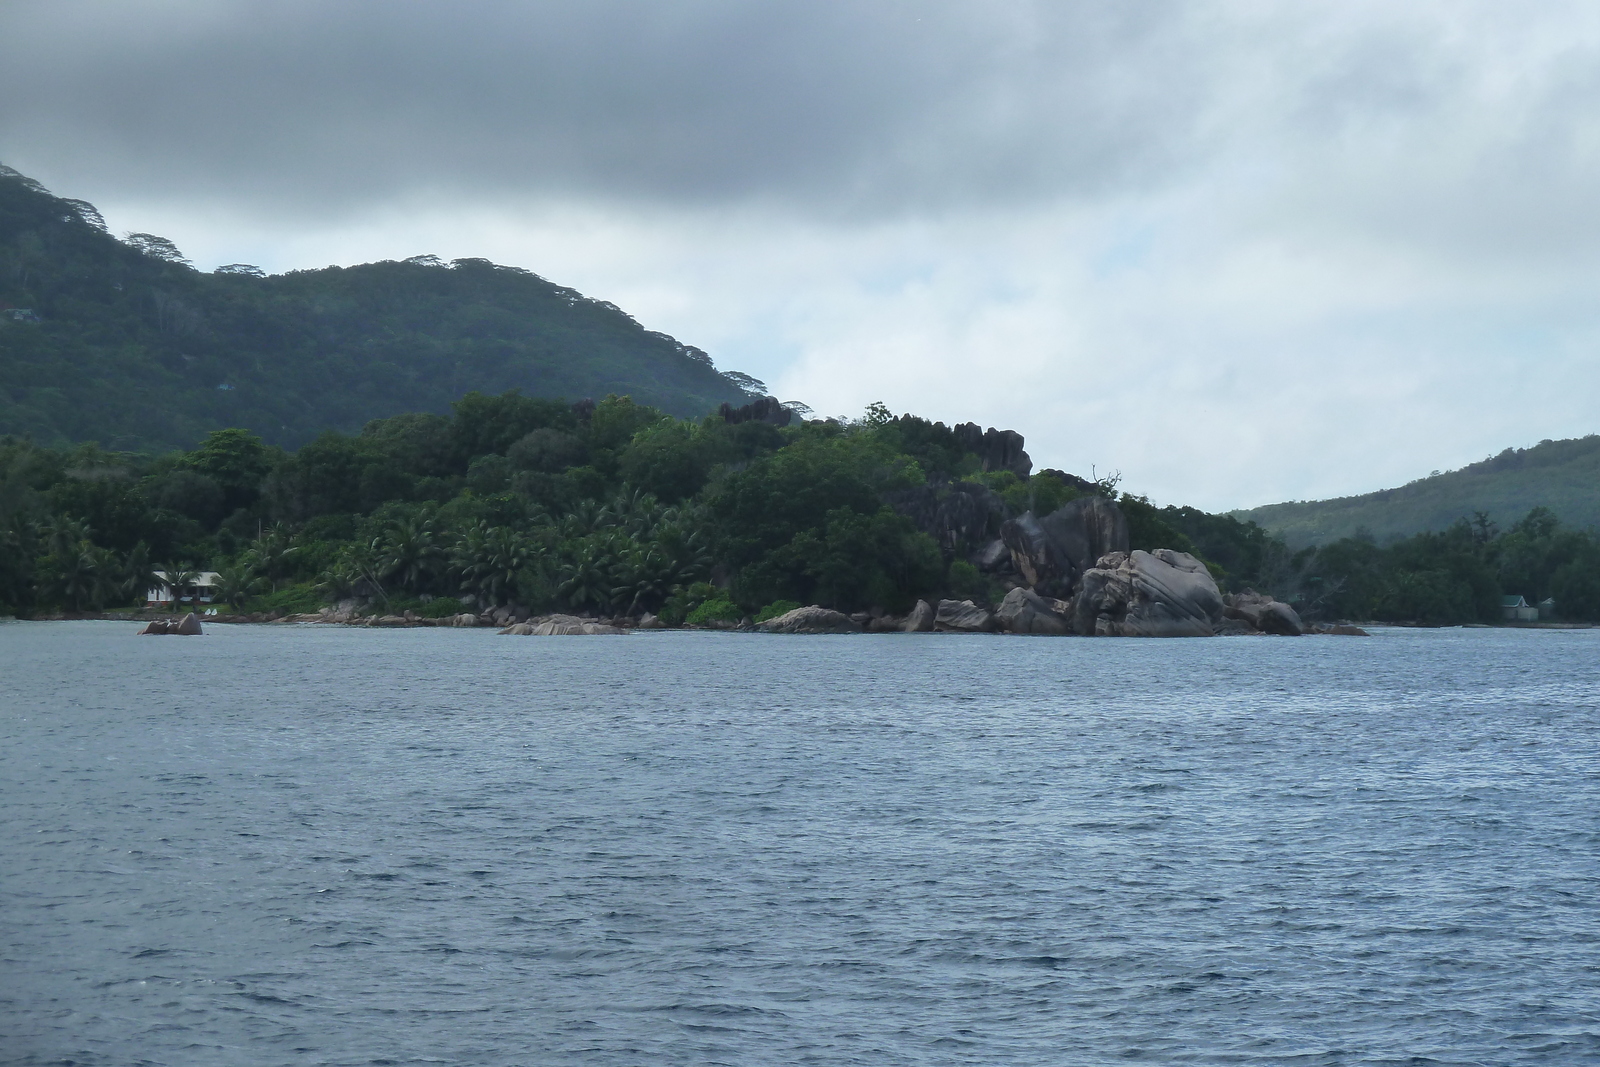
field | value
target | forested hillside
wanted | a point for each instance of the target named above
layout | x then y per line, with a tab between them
617	509
124	343
1562	476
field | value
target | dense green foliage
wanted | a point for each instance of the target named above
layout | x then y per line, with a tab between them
510	499
1458	575
1559	475
123	342
616	508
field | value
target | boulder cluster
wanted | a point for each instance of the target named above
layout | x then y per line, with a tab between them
1068	572
188	626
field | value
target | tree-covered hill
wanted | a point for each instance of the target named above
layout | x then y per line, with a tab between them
1562	476
613	508
124	343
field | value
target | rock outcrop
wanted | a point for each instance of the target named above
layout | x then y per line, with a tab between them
963	616
561	626
647	621
951	514
188	626
1264	613
997	450
810	620
1051	554
1148	594
1025	612
1343	629
920	621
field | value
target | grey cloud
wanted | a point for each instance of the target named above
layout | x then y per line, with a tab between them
848	108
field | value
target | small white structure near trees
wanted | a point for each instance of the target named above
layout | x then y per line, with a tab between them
1517	609
197	590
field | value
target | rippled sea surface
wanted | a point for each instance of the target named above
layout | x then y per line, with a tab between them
318	845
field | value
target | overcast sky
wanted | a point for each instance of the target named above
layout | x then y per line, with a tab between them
1241	252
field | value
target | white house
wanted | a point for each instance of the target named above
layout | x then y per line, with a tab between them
1517	609
202	585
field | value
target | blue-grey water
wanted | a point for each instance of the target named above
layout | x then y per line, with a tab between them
319	845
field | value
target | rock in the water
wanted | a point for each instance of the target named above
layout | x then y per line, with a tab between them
1025	612
920	621
156	627
518	629
466	618
189	626
1264	613
1148	594
1345	629
810	620
566	626
648	621
963	616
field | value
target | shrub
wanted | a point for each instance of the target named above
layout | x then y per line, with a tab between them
291	600
684	601
776	608
721	609
965	581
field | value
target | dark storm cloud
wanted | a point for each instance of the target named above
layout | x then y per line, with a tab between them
853	106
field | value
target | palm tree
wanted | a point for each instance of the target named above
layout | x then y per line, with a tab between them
647	578
272	553
411	553
587	579
179	578
235	585
138	575
490	559
74	574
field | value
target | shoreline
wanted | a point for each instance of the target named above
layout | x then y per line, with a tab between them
481	622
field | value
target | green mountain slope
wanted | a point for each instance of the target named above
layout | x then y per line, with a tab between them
124	343
1563	476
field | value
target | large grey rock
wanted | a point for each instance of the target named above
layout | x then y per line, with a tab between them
1025	612
647	621
1052	553
565	626
963	616
188	626
810	620
997	450
1148	594
1264	613
156	628
994	556
920	621
951	514
1032	554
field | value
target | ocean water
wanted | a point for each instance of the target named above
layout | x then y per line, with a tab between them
320	845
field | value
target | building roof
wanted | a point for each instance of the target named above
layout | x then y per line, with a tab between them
203	579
